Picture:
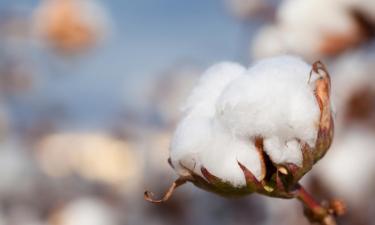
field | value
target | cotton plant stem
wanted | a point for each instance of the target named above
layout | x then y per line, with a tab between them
180	181
313	210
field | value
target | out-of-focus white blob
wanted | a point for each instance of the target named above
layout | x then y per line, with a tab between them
71	26
310	28
354	82
231	106
84	211
17	172
365	7
348	169
94	156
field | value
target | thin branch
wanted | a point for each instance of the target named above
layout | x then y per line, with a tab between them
149	195
316	212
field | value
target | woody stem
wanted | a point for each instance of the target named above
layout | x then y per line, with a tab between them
313	210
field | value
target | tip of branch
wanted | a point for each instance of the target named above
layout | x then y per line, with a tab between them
148	196
337	207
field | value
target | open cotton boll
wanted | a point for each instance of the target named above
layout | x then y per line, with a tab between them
274	99
257	130
232	106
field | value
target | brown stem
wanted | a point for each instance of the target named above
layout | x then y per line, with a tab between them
149	195
313	210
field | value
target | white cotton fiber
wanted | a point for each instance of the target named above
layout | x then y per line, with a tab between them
200	141
231	106
273	99
210	86
311	28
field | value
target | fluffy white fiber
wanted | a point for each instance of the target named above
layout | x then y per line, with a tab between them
306	27
232	105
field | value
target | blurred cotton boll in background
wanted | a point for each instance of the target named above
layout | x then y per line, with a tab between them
16	170
298	29
84	211
70	26
355	89
94	156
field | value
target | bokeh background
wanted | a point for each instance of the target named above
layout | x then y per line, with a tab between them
90	93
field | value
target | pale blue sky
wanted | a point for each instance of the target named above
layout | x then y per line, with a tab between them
149	36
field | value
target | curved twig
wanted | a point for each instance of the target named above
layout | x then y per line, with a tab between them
180	181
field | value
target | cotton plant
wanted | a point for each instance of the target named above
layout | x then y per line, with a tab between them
256	130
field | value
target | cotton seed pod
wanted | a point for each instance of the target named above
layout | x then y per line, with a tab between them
229	141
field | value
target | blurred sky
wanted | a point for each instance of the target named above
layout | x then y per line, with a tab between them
149	36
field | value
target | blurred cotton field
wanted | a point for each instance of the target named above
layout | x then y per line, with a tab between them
91	92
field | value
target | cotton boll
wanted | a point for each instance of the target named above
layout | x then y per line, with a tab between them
243	129
274	98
